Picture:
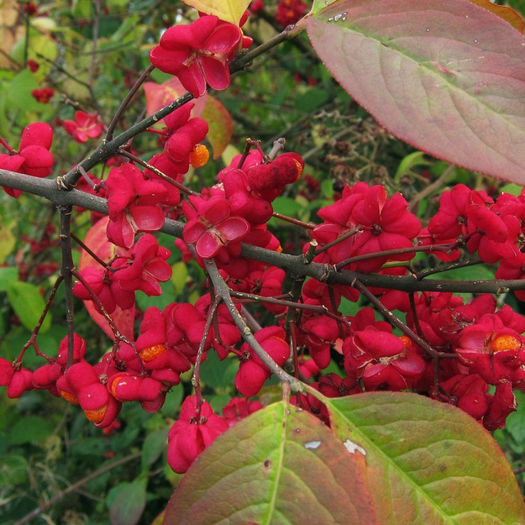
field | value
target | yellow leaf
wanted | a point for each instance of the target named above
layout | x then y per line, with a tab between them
229	153
7	242
227	10
179	276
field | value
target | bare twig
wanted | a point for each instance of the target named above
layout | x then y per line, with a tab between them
398	251
291	263
195	380
57	497
32	339
67	268
162	175
124	104
428	190
391	318
222	290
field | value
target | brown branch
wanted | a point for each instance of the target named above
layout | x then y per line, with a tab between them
391	318
86	248
124	104
161	174
195	380
67	268
434	186
34	333
296	222
398	251
323	310
292	263
342	238
223	291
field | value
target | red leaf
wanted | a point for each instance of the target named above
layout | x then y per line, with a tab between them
96	239
220	123
160	95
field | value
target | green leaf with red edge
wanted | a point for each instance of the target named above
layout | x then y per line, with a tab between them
227	10
97	241
446	76
280	464
221	125
428	462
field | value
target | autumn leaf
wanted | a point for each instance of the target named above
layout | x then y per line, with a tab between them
227	10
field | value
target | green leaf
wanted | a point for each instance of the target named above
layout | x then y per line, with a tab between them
428	462
279	465
287	206
154	444
218	374
30	429
513	189
434	74
19	92
125	29
311	99
167	297
7	242
348	307
321	4
417	158
515	424
179	276
28	304
7	276
173	401
128	505
13	470
327	188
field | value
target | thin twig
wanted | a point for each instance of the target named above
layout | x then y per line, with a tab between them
90	251
346	235
297	222
67	268
106	468
391	318
222	290
100	307
124	104
398	251
321	309
196	378
428	190
36	329
162	175
447	267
